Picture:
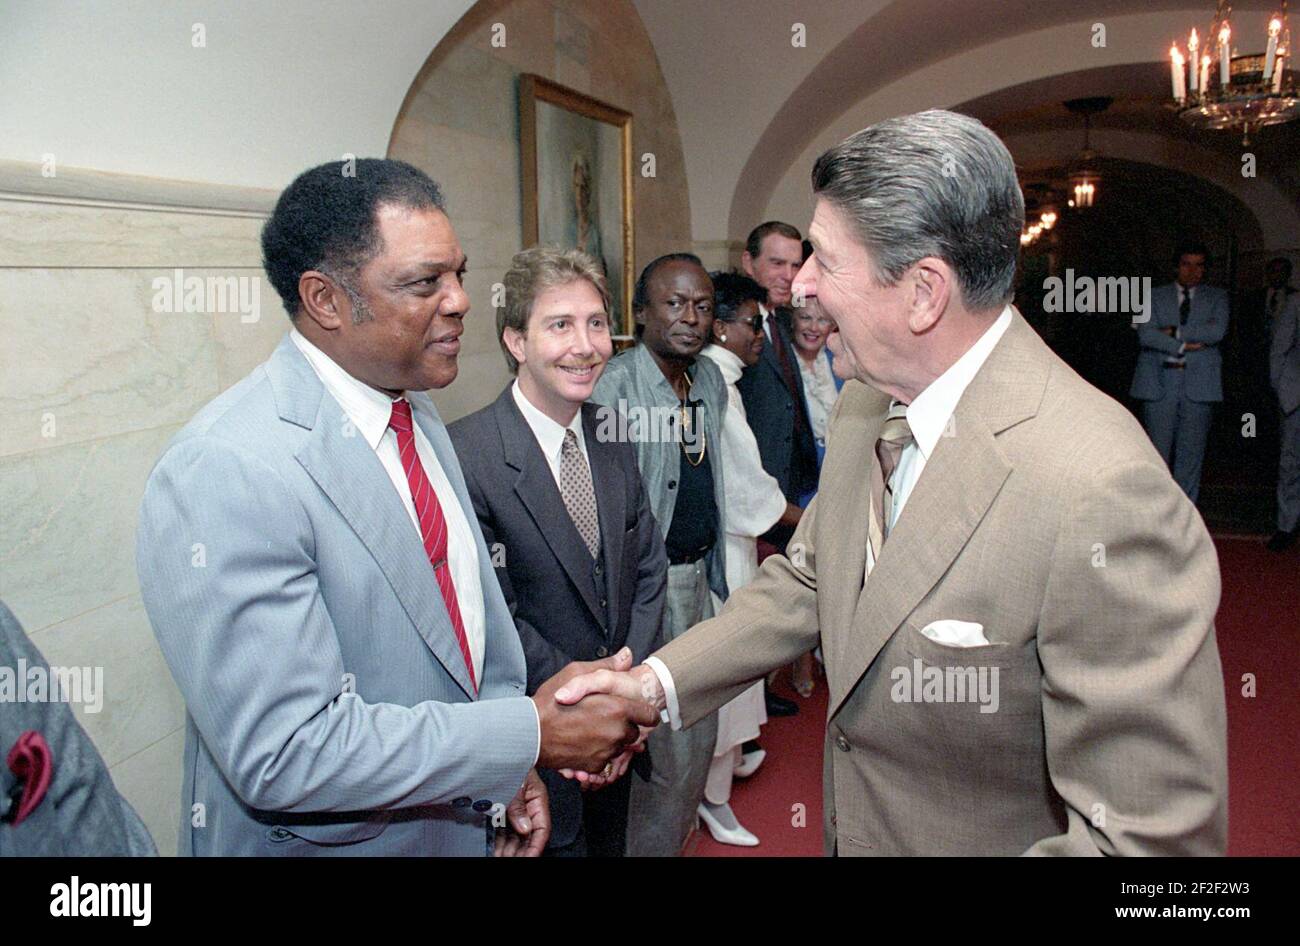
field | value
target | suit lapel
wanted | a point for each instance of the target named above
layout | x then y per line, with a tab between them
351	475
536	489
963	476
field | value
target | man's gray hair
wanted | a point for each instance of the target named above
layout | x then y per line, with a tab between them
931	184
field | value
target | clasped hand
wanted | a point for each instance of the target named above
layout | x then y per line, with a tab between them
595	716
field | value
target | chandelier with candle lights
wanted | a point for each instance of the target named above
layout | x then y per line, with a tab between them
1216	86
1085	170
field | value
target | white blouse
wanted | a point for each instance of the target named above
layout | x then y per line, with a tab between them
819	391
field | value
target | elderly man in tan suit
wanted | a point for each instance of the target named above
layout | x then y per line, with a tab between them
1014	599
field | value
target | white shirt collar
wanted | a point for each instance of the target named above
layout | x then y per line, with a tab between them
930	410
549	434
368	409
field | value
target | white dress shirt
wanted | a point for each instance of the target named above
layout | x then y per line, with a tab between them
1190	294
369	411
549	434
927	416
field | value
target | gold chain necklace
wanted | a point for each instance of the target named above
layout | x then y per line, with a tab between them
686	425
686	414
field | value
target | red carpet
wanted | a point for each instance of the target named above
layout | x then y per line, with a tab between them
1259	633
782	801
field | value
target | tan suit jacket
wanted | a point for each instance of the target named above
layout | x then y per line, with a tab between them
1045	515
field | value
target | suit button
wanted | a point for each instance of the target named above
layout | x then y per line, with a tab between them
602	651
602	602
482	806
599	569
462	802
672	484
842	744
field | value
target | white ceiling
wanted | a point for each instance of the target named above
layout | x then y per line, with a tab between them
280	85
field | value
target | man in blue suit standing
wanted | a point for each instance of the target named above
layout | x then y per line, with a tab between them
1179	370
316	578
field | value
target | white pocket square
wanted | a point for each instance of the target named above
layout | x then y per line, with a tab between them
956	633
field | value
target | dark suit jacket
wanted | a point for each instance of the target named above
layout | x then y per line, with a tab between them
81	813
770	407
564	607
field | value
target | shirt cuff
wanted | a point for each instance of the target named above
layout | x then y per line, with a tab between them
669	715
537	716
1182	349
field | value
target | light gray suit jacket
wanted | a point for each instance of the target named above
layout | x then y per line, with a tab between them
1284	356
329	710
1207	322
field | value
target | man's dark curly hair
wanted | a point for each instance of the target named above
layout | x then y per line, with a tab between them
325	220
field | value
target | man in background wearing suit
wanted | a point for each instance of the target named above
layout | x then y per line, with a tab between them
1284	373
1268	303
576	548
773	391
1014	599
316	578
1179	369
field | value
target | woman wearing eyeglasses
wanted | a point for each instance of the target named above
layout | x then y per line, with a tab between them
754	504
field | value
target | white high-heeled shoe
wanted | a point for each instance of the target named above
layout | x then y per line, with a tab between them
736	835
749	763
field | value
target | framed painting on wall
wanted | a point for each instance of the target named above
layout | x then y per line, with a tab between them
575	155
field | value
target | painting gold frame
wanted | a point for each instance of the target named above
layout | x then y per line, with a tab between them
534	89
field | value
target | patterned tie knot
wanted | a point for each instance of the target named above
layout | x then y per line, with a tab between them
896	429
400	420
570	442
895	435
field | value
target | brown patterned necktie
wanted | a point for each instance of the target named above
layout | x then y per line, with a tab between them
577	492
894	437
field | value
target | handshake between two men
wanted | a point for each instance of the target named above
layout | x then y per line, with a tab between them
595	716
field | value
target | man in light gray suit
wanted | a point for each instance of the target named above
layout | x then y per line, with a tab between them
1179	370
1284	373
316	577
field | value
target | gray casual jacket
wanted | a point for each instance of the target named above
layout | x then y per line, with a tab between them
638	404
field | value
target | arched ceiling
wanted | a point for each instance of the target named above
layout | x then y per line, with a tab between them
120	87
1042	134
787	104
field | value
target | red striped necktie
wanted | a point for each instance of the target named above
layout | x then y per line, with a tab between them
433	525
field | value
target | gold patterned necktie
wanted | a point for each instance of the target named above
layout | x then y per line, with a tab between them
895	435
578	494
